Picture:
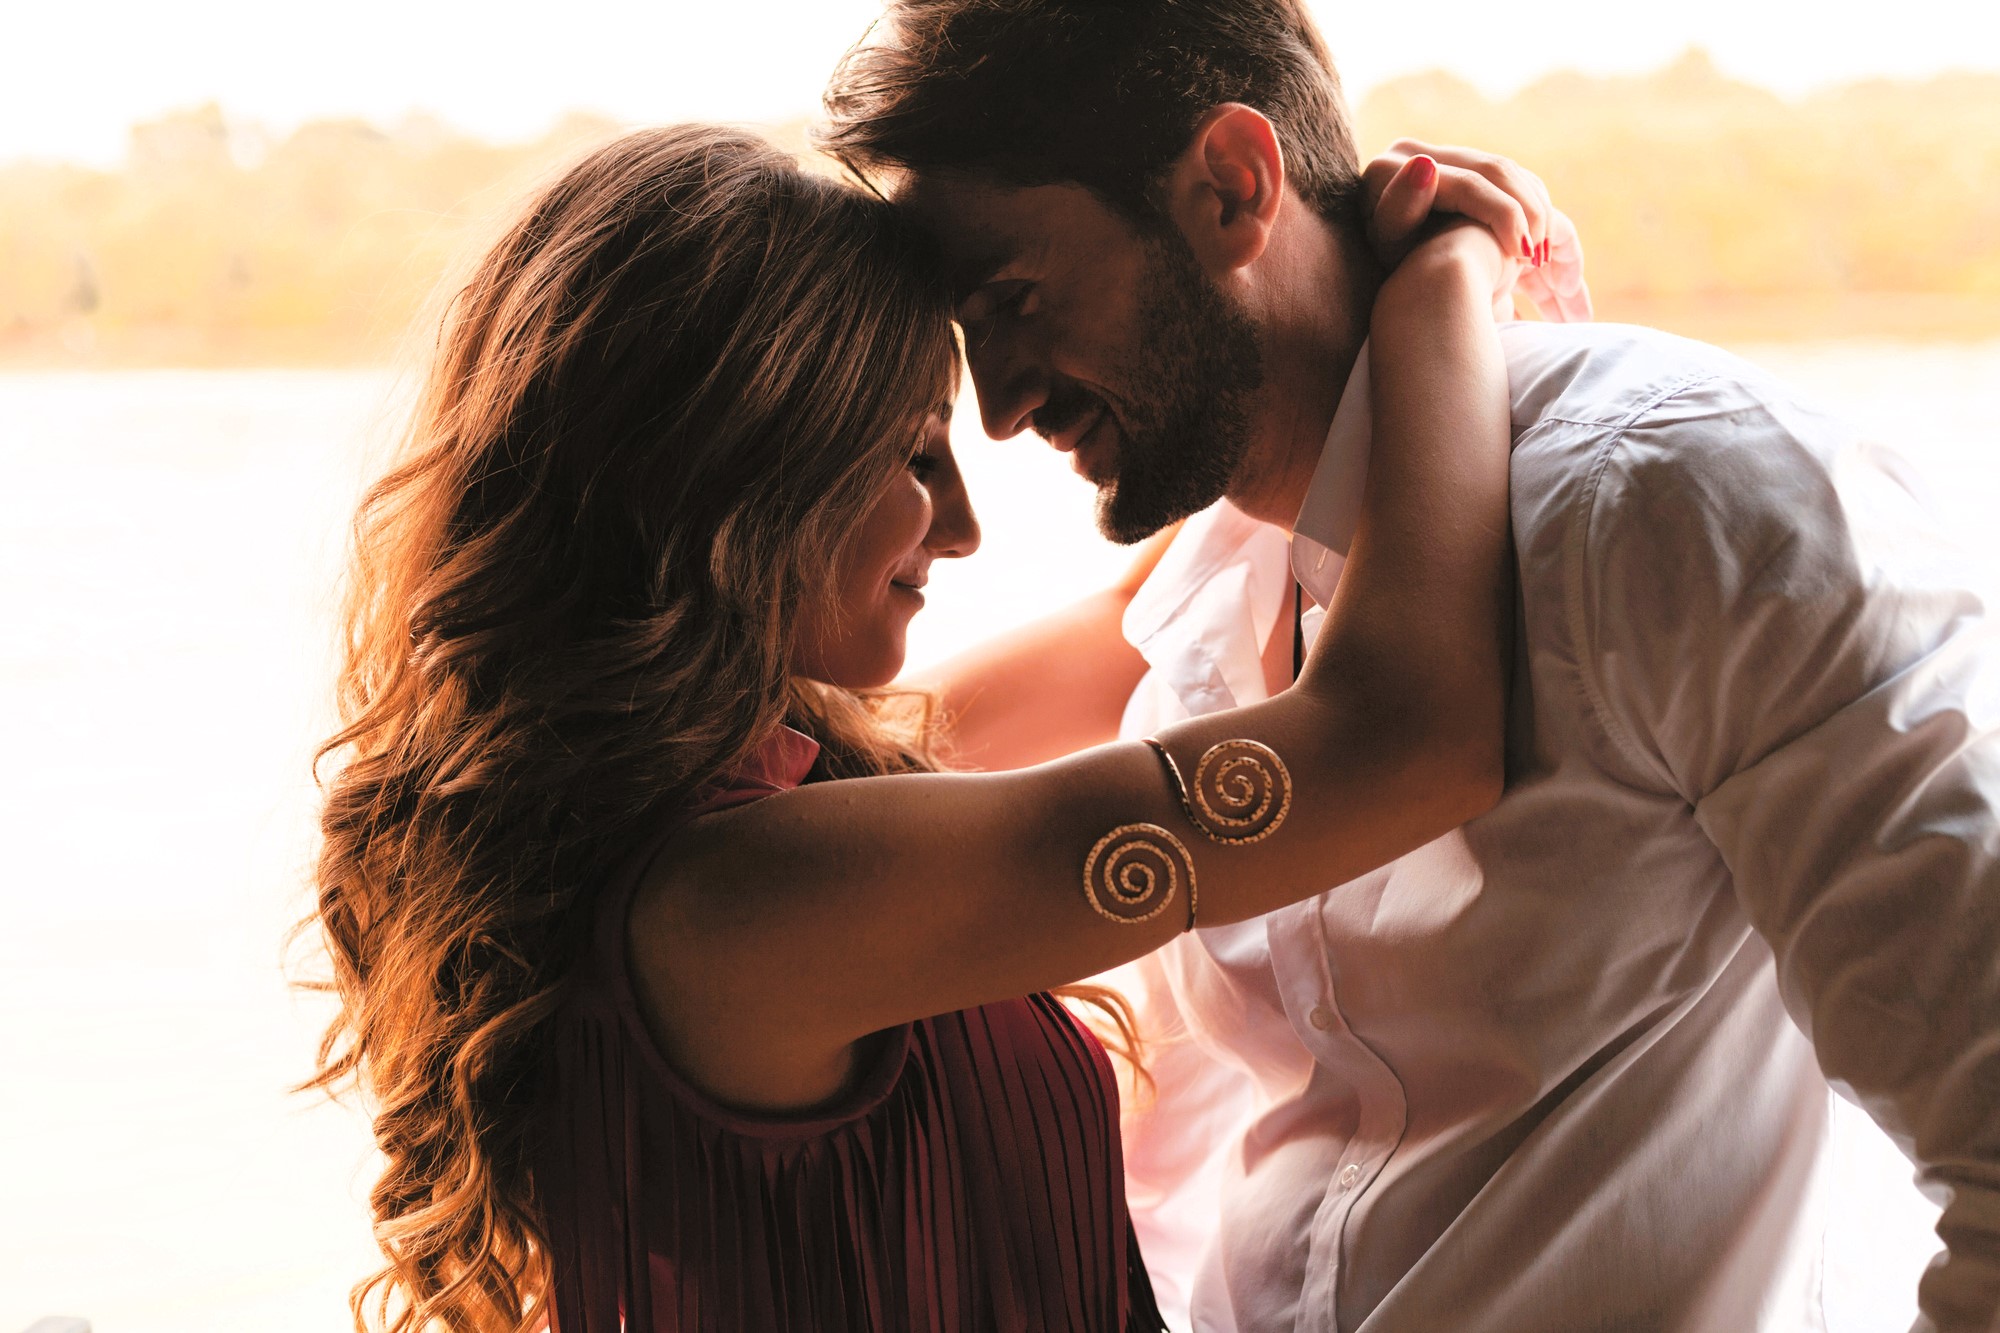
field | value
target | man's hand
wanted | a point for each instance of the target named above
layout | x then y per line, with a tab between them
1410	182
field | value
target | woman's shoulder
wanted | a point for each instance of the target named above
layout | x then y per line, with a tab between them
663	886
670	881
691	938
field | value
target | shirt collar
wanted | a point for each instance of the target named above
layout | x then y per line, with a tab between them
1206	545
1324	529
1202	617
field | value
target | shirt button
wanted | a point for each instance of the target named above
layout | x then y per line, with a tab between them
1320	1018
1348	1175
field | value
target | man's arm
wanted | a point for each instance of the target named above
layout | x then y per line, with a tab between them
1770	625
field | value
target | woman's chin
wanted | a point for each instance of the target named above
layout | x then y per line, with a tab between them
868	667
890	664
894	653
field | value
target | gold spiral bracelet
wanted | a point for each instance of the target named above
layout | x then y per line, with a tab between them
1241	793
1134	872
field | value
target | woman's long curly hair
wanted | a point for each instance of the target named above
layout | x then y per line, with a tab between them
657	409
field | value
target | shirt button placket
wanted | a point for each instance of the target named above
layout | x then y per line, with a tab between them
1383	1109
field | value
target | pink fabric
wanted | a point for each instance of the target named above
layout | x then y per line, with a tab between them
969	1182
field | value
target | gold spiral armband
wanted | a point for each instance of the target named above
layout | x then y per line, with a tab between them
1241	791
1135	871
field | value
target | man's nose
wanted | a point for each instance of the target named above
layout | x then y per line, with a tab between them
1010	383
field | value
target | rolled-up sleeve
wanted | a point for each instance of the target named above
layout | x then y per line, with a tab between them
1768	624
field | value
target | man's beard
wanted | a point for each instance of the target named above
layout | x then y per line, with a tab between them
1188	395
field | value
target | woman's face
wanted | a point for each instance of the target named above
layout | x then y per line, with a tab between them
924	514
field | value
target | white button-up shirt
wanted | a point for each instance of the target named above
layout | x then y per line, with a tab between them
1566	1067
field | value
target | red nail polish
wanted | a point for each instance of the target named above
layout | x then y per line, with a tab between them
1423	170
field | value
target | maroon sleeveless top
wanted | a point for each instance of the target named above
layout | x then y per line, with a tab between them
971	1180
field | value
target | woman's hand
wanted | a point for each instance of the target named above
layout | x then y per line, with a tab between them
1461	254
1412	181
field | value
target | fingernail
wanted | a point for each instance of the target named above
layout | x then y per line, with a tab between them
1527	251
1545	252
1423	169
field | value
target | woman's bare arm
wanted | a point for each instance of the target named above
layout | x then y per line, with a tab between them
771	937
1047	688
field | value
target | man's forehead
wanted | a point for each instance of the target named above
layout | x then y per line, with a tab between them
965	212
948	191
982	223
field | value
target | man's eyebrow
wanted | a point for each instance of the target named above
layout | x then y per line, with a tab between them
975	273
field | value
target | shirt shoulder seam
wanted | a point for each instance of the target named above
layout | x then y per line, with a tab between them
1583	520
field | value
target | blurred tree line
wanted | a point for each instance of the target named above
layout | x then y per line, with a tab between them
212	247
1717	208
1705	205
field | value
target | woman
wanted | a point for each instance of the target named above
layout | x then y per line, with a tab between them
647	1050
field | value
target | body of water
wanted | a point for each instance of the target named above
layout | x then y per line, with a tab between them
169	544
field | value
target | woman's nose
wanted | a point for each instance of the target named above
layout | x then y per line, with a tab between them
954	531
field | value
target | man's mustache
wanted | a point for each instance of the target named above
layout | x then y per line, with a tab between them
1067	404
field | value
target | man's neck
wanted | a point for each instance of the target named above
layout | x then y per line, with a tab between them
1312	315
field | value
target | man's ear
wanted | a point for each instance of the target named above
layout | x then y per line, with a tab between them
1223	190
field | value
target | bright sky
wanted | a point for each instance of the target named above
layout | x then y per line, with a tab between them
75	74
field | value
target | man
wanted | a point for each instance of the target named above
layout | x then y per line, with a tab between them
1566	1068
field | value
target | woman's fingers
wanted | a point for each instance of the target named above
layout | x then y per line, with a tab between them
1504	175
1565	273
1472	195
1557	288
1526	188
1404	191
1401	207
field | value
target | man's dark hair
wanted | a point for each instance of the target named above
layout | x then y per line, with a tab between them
1099	93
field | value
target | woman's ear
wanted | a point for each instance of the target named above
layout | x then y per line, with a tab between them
1223	190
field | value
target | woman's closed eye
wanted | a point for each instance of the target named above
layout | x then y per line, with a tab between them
931	456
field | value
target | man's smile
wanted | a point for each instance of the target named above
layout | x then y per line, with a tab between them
1096	450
